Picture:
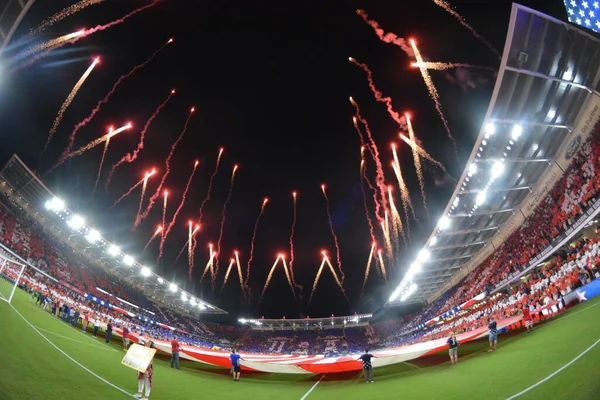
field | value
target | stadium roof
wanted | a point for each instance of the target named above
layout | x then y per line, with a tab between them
307	323
549	70
74	230
11	14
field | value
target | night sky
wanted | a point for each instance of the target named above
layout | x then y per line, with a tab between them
270	81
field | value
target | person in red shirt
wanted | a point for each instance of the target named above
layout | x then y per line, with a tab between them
175	352
86	320
527	319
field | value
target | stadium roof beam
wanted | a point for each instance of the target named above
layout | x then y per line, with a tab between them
469	231
454	246
549	78
515	160
482	213
495	190
436	260
529	123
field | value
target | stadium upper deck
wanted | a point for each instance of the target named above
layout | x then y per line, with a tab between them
11	14
543	107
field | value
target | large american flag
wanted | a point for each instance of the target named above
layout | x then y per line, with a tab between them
585	13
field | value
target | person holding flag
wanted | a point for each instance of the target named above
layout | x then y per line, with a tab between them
145	378
236	368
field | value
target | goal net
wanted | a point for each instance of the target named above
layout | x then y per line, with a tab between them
11	272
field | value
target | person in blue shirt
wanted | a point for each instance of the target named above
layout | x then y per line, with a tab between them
235	365
493	334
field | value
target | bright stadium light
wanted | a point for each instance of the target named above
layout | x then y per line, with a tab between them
409	292
456	201
424	255
93	236
114	250
184	298
160	280
202	306
173	288
76	222
472	169
128	260
516	132
497	169
433	241
146	271
480	199
192	302
490	129
444	223
55	204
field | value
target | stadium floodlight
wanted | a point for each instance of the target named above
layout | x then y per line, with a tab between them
76	222
480	199
472	169
146	271
409	292
516	132
424	255
433	241
114	250
55	204
490	129
173	288
160	280
93	236
497	169
184	298
192	302
202	306
128	260
444	223
552	114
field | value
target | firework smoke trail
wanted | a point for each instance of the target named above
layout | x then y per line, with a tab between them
379	96
102	161
396	220
368	269
239	270
127	193
144	185
164	212
386	240
231	261
288	276
382	265
417	161
64	13
262	210
464	23
294	195
441	66
176	214
158	230
97	142
50	44
167	172
422	152
223	214
362	189
131	157
269	278
189	242
104	101
386	37
337	280
68	101
432	91
374	151
316	282
335	239
209	265
404	194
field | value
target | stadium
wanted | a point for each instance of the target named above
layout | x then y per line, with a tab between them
516	246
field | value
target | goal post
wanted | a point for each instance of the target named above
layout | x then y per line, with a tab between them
11	273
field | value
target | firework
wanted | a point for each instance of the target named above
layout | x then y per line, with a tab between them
362	189
239	270
464	23
164	212
167	172
294	196
209	264
50	44
176	214
288	276
368	269
335	239
422	152
131	157
68	101
64	13
386	239
280	256
404	194
397	226
417	161
231	261
386	37
441	66
382	264
337	280
144	185
110	134
223	214
96	142
432	91
156	232
316	281
131	189
189	242
104	101
262	210
379	96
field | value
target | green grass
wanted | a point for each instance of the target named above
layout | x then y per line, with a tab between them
31	368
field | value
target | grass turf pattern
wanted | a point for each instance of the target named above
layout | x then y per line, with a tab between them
31	368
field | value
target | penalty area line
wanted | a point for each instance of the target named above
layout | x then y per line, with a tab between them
555	372
312	388
69	357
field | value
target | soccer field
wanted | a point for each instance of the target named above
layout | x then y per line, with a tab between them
60	362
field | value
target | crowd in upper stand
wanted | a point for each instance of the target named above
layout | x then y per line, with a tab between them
571	196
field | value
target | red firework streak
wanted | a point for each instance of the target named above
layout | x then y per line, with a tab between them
379	96
294	195
176	214
167	172
131	189
335	239
362	189
110	134
386	37
223	214
378	206
368	269
148	175
262	210
131	157
158	230
104	101
374	151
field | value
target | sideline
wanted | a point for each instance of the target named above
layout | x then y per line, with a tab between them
69	357
77	341
312	388
555	372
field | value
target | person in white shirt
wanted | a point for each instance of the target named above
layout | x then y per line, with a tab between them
96	326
